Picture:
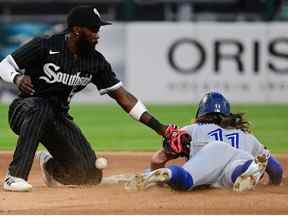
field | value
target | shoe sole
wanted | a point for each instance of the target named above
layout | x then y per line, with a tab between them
135	184
244	183
248	182
140	182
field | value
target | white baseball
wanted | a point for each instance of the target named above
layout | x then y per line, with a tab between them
101	163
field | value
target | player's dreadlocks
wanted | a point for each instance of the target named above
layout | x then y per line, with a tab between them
234	120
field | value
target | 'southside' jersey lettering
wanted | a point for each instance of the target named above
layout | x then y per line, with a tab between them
53	75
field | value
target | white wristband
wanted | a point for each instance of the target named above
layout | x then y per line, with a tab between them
137	111
8	69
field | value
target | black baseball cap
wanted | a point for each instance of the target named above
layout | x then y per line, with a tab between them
85	16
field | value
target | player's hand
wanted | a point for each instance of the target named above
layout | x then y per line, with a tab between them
24	84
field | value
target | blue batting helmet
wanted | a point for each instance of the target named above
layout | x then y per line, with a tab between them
213	102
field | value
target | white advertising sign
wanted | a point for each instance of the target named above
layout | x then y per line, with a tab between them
277	80
179	62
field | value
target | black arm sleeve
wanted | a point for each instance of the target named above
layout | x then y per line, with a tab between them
29	54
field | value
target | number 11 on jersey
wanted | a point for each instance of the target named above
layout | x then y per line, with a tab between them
232	138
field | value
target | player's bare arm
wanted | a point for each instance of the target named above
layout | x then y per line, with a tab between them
136	109
159	159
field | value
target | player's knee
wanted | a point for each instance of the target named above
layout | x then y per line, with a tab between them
74	175
94	176
83	175
181	179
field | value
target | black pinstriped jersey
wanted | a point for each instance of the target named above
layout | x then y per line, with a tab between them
57	75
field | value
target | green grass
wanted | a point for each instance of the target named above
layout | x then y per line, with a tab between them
108	128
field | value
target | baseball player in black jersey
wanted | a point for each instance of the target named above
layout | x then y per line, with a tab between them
55	68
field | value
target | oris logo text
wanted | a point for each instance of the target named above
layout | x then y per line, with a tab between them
271	55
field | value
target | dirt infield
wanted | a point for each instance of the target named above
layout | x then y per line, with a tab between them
114	199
